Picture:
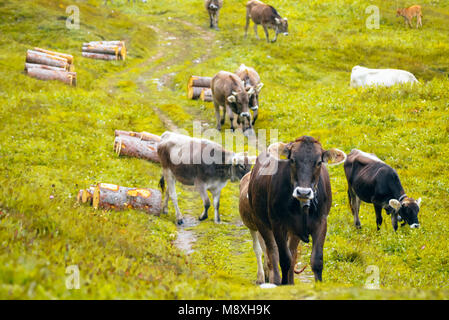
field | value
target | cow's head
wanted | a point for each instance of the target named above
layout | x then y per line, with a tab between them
306	158
213	5
407	209
282	25
239	98
241	165
399	12
253	95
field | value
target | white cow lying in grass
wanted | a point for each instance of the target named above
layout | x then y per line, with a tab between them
363	77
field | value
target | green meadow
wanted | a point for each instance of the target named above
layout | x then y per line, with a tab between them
56	139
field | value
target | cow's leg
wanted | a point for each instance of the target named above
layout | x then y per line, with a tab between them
216	191
247	23
223	119
217	115
293	242
255	114
275	35
267	267
216	19
255	31
201	187
265	29
166	197
316	258
285	257
258	252
211	19
172	191
231	117
378	210
354	203
272	253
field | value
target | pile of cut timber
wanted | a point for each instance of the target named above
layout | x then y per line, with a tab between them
105	50
111	196
50	65
141	145
199	88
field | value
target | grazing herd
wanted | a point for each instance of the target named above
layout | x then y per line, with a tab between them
286	197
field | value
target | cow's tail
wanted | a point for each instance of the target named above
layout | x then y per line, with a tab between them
162	184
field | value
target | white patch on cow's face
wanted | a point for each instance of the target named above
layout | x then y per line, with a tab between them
415	225
303	193
277	20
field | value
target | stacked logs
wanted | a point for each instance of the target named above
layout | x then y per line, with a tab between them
113	197
50	65
141	145
104	50
199	88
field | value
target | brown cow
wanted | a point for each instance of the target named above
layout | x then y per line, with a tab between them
228	92
252	81
292	203
213	7
267	16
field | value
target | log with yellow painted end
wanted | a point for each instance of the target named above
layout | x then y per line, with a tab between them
194	92
45	74
111	196
146	136
116	48
198	81
86	195
135	147
46	59
66	56
206	95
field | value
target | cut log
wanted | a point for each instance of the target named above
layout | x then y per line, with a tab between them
66	56
197	81
111	196
42	66
135	147
46	59
120	45
44	74
146	136
100	56
102	49
206	95
194	92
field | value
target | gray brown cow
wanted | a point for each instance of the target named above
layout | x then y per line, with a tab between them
267	16
213	7
373	181
292	203
200	163
252	81
228	92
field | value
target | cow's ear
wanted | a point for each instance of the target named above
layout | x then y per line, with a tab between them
395	204
250	91
418	202
334	156
277	20
259	87
231	98
288	150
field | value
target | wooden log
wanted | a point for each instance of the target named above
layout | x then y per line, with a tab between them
102	49
197	81
111	196
135	147
146	136
68	57
101	56
44	74
46	59
206	95
42	66
194	92
86	195
120	44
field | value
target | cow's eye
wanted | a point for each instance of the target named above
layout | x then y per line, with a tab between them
319	163
292	161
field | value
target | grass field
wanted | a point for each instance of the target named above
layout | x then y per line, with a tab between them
55	140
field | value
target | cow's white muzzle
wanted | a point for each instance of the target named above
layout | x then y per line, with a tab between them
285	33
303	193
414	226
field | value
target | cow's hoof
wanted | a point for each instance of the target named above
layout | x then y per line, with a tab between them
201	218
179	222
218	221
358	226
165	211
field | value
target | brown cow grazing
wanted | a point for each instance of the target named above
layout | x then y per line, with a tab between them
292	203
213	7
409	14
252	81
267	16
201	163
228	92
373	181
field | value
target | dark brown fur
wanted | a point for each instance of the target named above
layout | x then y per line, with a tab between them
267	16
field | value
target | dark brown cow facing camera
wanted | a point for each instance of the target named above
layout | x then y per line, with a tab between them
292	203
267	16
